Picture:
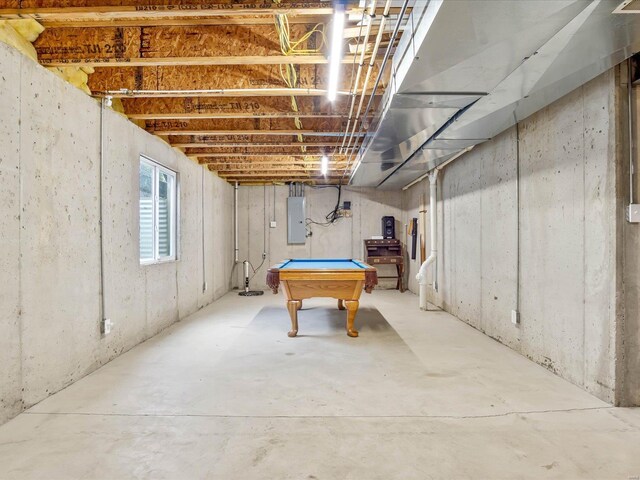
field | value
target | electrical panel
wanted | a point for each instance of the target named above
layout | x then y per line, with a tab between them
296	228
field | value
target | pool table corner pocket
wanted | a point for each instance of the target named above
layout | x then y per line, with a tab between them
273	279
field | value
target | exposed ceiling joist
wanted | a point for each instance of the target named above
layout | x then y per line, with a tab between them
208	78
280	169
216	81
180	22
198	116
283	181
237	8
238	132
254	145
236	105
248	152
249	157
280	174
180	61
272	166
224	92
273	142
266	160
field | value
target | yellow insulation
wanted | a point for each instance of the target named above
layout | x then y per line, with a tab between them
117	106
10	34
22	32
76	76
28	28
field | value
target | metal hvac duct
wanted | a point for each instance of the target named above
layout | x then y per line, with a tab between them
466	70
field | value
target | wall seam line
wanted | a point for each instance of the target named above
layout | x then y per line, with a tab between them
584	247
20	226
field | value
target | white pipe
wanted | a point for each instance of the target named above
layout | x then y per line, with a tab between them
372	62
204	263
431	259
103	104
235	223
439	167
355	149
630	125
359	71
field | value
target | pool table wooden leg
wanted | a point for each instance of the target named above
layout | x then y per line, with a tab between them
293	306
299	304
352	309
341	305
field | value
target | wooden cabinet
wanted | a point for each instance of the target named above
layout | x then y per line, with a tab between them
386	252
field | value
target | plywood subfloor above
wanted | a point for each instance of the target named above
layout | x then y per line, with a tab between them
220	79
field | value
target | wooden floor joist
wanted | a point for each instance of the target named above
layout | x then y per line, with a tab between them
284	161
250	157
271	168
254	145
207	77
233	170
249	140
224	92
179	21
283	174
236	132
248	151
216	81
273	105
149	11
286	126
198	116
179	61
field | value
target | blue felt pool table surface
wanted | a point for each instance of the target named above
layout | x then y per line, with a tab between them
322	264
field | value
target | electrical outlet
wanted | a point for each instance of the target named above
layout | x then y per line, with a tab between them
204	287
273	224
105	326
264	255
515	317
633	213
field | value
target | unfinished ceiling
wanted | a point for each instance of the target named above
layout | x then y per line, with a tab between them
239	86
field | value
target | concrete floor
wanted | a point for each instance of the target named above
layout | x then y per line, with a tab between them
226	394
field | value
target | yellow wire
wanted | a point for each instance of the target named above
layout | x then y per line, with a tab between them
289	75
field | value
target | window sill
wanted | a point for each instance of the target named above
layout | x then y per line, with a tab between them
147	263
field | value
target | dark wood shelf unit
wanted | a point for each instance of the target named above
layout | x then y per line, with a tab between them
388	251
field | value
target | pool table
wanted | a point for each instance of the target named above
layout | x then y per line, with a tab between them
342	279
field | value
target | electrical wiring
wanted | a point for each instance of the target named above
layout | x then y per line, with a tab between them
333	215
289	47
264	234
256	270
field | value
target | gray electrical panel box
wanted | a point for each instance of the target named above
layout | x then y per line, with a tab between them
296	228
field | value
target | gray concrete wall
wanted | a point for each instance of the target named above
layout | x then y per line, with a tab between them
562	278
10	332
343	239
49	229
629	245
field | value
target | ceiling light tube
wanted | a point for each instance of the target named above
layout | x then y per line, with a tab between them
335	57
324	165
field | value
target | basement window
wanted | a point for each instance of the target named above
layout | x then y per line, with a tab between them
158	213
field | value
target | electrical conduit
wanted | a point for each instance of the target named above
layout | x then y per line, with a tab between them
235	223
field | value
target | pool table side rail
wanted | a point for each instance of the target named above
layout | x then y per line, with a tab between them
274	275
319	261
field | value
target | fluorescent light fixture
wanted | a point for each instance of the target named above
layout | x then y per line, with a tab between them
324	165
335	59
